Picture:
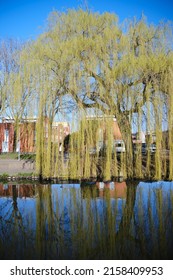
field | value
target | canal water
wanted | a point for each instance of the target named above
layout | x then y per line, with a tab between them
111	220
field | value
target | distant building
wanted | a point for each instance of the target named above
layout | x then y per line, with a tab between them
138	137
6	137
26	138
165	137
59	131
104	131
116	133
150	137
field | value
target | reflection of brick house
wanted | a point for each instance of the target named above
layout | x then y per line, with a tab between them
23	191
113	189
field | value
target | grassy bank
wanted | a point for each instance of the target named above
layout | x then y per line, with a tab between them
16	156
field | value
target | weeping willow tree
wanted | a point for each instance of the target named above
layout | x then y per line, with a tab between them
89	62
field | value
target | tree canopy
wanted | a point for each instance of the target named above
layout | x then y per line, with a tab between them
101	64
90	62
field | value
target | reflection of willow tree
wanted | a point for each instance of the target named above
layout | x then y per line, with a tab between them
12	227
44	222
101	239
52	226
144	232
15	213
72	223
123	235
156	234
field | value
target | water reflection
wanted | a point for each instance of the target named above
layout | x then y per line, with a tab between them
99	220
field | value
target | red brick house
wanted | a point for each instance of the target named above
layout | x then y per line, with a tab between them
28	137
27	133
103	129
6	137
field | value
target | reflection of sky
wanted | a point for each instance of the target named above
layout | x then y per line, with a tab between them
151	189
66	195
72	211
5	206
67	201
25	207
154	206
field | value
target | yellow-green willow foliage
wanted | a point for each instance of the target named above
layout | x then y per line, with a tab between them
88	61
170	120
91	149
44	220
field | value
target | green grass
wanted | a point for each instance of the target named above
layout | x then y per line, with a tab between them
9	156
16	155
28	156
25	174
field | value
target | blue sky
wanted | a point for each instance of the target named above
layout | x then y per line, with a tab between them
24	19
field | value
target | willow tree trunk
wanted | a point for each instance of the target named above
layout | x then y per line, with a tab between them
126	131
